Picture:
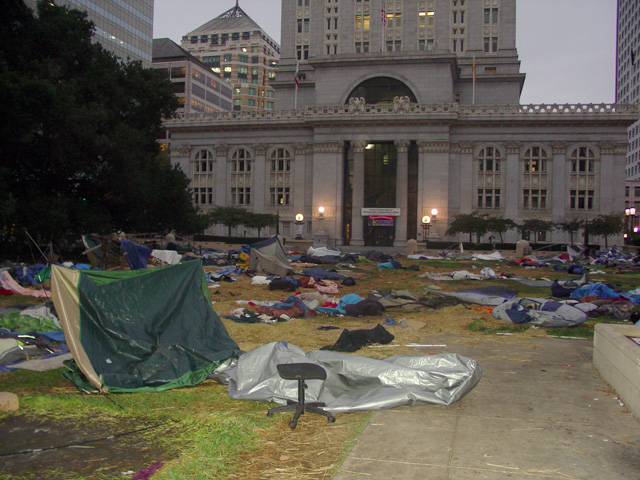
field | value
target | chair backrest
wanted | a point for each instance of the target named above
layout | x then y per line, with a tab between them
304	371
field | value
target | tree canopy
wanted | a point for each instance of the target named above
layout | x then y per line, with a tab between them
78	133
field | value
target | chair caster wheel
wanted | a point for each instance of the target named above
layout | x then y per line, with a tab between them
292	424
269	414
331	419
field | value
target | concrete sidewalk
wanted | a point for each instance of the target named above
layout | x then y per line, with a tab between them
541	411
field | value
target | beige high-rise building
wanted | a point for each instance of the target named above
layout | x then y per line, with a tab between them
242	53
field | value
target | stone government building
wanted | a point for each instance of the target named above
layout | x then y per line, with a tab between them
401	107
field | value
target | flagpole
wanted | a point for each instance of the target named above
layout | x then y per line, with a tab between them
296	84
383	13
473	68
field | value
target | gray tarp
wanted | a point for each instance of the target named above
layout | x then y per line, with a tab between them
354	383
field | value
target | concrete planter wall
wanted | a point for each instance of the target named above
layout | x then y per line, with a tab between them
617	358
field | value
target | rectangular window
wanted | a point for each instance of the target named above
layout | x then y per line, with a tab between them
269	104
178	72
227	57
243	58
252	91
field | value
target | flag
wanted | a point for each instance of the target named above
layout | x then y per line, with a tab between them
295	76
384	14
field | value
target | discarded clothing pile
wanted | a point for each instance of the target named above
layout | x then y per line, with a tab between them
354	305
488	296
410	301
354	340
29	332
543	312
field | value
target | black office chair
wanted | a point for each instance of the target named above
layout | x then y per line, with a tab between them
301	372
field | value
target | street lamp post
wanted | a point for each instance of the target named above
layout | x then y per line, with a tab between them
426	225
630	213
299	224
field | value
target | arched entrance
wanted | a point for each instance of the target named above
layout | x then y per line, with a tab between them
381	90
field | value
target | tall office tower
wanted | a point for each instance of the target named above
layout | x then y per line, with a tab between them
124	27
628	75
433	42
242	53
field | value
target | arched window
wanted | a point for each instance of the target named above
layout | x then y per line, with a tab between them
582	179
280	177
240	177
489	178
535	179
381	90
202	181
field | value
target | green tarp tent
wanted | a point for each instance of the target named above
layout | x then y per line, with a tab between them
151	329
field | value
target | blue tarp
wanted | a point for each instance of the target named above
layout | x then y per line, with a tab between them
599	289
136	255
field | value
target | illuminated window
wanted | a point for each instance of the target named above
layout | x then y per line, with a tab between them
535	179
280	177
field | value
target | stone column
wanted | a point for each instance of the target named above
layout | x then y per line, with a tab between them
259	178
300	151
467	181
221	179
402	187
610	174
181	156
357	232
434	187
559	194
511	192
327	160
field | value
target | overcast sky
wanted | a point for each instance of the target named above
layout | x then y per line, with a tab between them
567	47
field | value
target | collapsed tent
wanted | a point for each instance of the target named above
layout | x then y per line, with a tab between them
354	383
148	329
268	256
543	313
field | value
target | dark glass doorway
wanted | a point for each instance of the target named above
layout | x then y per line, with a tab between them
380	169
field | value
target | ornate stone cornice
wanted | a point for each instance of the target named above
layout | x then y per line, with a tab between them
467	147
402	145
260	148
620	148
222	149
302	148
612	148
436	147
328	147
360	146
512	147
559	147
524	112
180	150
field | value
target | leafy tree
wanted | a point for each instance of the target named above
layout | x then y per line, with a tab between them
500	226
260	221
471	223
536	226
78	129
571	227
228	216
607	225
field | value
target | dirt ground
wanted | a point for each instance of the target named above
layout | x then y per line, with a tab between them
123	447
110	449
